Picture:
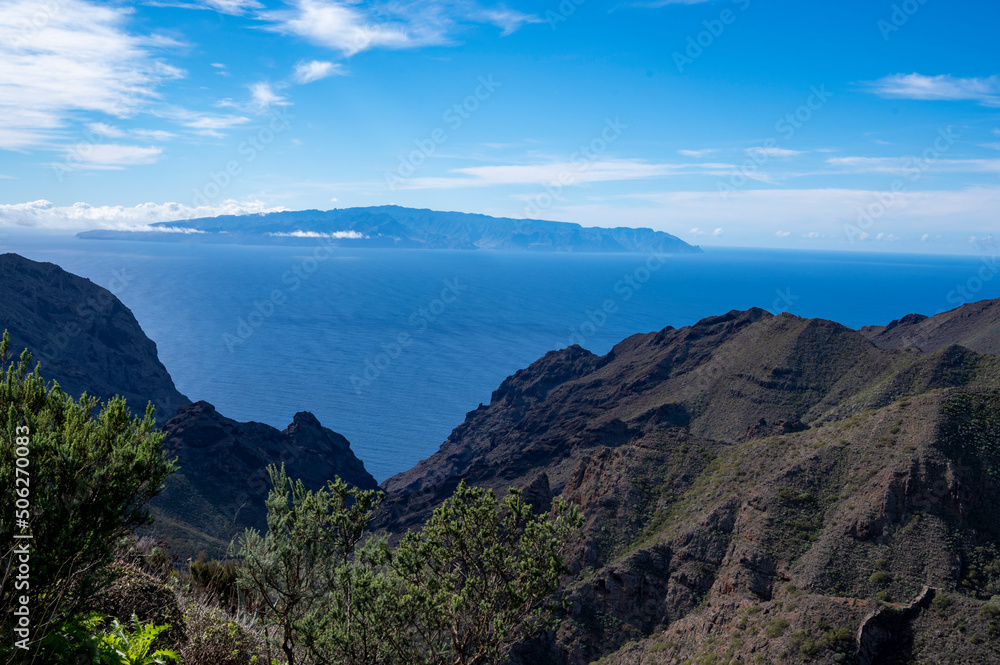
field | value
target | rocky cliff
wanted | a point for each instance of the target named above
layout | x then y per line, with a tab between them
223	481
756	489
83	336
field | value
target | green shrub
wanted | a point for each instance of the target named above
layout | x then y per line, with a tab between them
880	578
777	627
218	638
942	604
92	470
990	613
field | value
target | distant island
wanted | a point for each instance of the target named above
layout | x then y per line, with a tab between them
403	228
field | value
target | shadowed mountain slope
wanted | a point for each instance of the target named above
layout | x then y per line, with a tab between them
976	326
767	487
83	336
222	484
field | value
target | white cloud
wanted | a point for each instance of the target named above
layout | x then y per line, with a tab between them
773	152
812	235
206	124
60	58
109	156
346	28
560	173
106	130
986	91
782	234
350	28
913	165
264	97
314	70
83	216
717	233
152	134
336	235
234	7
231	7
697	232
925	237
697	153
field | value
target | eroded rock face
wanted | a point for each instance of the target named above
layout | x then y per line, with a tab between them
83	336
223	481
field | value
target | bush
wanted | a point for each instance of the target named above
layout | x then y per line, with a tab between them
137	593
942	604
880	578
474	581
216	637
89	474
216	580
990	613
777	627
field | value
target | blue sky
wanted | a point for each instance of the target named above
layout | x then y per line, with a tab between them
849	125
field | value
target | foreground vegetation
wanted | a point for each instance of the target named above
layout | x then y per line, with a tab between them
317	588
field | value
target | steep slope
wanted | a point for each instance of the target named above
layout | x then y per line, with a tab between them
223	482
729	378
773	488
872	540
83	336
976	326
395	226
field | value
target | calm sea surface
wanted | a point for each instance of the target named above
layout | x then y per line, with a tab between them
392	348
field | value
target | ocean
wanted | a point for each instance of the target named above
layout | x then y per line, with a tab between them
391	348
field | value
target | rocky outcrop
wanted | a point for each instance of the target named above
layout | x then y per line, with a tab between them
223	481
884	626
83	336
975	326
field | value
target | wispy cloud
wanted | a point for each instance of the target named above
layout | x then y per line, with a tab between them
911	165
986	91
231	7
263	97
205	124
698	154
773	152
350	28
561	173
60	58
111	156
83	216
314	70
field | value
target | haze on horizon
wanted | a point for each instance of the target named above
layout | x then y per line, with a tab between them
854	125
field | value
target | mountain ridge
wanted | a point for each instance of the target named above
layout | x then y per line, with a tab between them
409	228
